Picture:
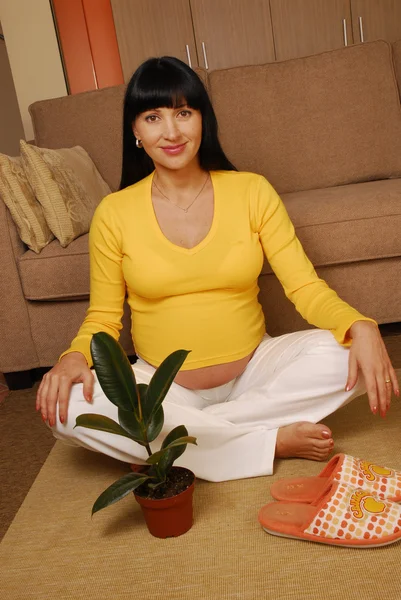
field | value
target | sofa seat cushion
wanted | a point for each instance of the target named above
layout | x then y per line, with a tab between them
56	273
348	223
339	225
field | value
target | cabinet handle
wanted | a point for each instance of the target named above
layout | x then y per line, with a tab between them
188	55
345	32
361	29
204	56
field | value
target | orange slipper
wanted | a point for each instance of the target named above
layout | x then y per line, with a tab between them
342	516
382	482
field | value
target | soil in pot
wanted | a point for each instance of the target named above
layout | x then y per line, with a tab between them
171	515
177	481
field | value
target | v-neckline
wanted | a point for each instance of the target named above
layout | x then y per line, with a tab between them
210	234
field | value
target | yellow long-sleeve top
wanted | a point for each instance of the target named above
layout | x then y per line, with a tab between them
203	299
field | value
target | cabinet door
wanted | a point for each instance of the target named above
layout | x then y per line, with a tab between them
304	27
147	28
376	19
231	33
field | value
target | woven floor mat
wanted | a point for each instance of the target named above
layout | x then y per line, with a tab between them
54	550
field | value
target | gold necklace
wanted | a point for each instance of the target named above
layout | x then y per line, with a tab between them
176	205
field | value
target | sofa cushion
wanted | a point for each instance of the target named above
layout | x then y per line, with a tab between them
347	224
24	208
67	185
315	122
56	273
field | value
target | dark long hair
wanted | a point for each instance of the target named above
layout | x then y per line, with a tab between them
166	82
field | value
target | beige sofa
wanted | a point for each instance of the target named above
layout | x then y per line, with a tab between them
325	130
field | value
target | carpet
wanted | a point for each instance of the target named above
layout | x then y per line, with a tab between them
25	444
53	549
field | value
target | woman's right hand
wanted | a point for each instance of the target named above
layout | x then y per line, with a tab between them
56	386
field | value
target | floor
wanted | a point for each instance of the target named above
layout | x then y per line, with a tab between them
55	549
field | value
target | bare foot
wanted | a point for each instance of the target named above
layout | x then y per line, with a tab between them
304	440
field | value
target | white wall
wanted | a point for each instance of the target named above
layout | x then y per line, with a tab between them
33	54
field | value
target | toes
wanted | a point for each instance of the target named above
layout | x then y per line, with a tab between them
325	432
320	455
320	449
313	430
325	445
312	455
319	458
304	440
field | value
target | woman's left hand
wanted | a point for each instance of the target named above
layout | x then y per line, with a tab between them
369	354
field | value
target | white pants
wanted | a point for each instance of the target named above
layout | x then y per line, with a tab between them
295	377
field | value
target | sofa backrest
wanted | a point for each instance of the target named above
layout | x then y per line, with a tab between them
92	120
396	46
315	122
307	123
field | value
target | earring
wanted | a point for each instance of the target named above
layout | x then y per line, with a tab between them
138	143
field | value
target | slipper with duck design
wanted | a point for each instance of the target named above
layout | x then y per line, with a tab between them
382	482
341	516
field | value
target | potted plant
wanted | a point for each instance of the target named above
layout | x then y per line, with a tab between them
158	486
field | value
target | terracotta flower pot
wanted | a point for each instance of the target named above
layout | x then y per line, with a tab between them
169	517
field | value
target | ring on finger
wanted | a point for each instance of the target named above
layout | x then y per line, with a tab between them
387	381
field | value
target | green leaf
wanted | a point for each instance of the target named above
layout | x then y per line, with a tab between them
156	456
162	380
156	424
154	474
188	439
118	490
132	426
174	445
100	423
114	372
168	459
143	390
175	434
147	406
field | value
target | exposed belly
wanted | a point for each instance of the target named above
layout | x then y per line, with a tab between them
209	377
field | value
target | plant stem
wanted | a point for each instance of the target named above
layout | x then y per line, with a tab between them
139	401
149	451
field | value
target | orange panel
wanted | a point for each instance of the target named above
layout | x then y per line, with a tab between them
103	42
74	41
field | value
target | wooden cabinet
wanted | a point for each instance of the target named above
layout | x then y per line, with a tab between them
218	34
304	27
147	28
231	33
214	34
376	19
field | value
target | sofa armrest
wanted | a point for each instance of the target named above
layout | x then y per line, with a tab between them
16	344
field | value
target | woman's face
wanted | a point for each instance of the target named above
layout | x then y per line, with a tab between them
170	136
